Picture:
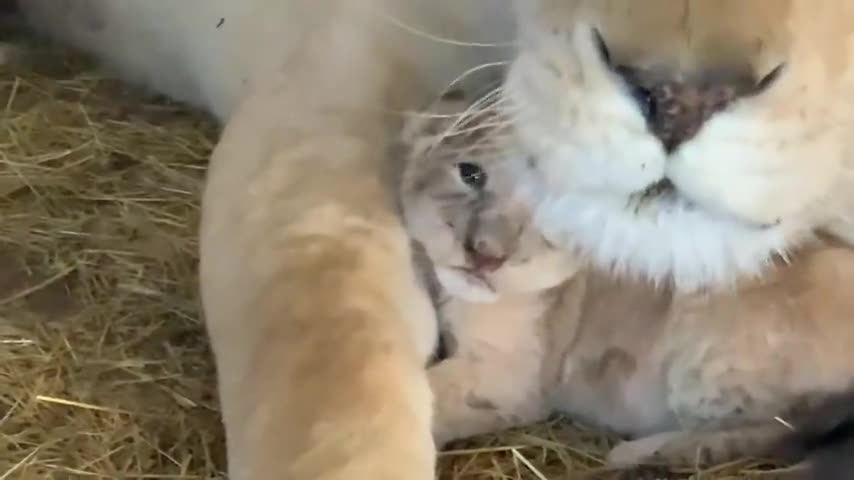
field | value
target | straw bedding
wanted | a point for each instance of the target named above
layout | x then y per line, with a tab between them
104	367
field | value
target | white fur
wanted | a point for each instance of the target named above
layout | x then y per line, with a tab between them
697	248
753	183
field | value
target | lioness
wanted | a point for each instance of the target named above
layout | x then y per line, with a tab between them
683	141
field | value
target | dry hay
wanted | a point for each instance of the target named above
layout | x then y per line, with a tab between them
104	367
104	371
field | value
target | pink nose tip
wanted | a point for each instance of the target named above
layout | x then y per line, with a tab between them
484	260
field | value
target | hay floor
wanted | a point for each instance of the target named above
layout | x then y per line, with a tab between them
104	367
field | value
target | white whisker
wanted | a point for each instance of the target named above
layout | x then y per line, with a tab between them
477	128
436	38
473	109
475	151
471	71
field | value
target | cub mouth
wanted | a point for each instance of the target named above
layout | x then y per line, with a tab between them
475	277
464	283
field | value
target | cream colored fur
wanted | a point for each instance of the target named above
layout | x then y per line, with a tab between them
690	379
755	179
442	213
693	378
319	329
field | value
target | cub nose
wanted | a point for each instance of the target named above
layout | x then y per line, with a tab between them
484	254
676	106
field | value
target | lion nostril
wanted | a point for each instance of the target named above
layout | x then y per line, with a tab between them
677	104
645	101
640	90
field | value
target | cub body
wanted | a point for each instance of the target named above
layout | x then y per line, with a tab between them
691	377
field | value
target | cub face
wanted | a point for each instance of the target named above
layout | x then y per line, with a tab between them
463	200
684	141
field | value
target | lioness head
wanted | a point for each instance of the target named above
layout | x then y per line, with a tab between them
461	200
689	140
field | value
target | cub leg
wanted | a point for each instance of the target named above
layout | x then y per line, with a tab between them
700	448
725	404
483	393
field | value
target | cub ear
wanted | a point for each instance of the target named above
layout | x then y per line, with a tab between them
422	129
416	125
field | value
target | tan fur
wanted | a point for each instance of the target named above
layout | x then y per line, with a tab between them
316	320
318	326
695	378
754	180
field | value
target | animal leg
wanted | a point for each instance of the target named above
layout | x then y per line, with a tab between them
698	448
475	395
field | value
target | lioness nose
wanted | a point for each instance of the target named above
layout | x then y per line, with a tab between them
484	254
676	106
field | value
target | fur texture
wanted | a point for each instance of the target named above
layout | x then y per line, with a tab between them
317	322
753	181
692	378
823	439
463	202
303	254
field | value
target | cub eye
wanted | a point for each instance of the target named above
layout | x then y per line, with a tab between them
472	175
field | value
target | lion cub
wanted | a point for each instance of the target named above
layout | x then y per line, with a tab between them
492	273
530	329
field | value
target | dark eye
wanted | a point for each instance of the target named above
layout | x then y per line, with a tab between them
602	47
472	175
643	97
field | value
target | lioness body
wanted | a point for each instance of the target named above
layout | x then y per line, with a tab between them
318	326
302	253
213	53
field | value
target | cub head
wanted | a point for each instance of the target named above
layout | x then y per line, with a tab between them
685	141
462	201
